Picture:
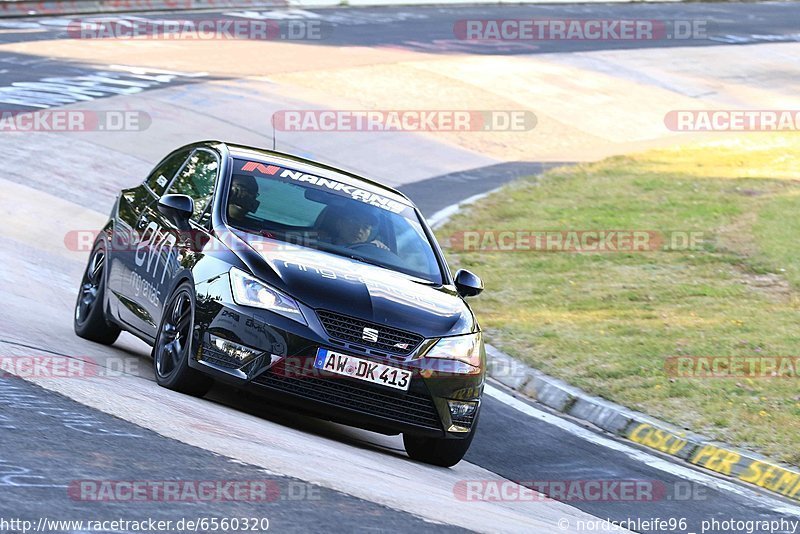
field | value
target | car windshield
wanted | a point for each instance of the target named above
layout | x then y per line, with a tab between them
325	214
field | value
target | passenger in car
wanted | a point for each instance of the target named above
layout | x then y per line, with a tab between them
243	199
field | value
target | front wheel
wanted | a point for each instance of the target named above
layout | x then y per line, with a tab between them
174	345
89	320
438	451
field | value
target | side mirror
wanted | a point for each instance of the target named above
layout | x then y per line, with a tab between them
178	209
468	284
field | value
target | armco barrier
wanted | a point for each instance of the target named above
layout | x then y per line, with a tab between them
641	429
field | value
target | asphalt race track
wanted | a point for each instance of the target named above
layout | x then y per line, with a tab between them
115	424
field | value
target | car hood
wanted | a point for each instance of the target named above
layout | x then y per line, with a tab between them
322	280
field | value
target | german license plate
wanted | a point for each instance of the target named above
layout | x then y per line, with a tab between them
376	373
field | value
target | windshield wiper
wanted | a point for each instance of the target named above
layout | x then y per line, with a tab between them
362	259
344	252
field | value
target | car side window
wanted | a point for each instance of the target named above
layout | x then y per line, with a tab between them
162	175
197	180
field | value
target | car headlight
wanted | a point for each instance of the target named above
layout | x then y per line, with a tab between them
466	349
250	291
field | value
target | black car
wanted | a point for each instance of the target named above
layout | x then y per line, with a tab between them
304	283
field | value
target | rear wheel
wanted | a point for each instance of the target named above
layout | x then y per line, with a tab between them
174	345
90	318
438	451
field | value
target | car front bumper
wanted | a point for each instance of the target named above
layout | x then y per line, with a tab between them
277	362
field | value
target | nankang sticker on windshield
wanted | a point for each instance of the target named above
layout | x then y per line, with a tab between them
355	193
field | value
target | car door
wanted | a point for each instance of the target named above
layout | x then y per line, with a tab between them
123	282
162	245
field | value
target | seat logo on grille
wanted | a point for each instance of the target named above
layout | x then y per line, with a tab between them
369	334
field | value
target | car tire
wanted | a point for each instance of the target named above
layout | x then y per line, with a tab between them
89	319
175	343
438	451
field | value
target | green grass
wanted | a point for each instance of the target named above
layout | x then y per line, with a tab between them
605	322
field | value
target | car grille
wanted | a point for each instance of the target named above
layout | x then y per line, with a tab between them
346	328
409	408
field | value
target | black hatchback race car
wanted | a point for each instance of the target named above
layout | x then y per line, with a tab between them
304	283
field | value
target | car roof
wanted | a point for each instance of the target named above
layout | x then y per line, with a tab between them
316	168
